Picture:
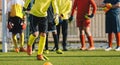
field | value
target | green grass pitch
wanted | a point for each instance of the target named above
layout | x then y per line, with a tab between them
71	57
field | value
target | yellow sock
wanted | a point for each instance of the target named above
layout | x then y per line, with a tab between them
41	44
15	40
31	39
21	39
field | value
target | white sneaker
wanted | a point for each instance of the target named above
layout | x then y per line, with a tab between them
117	49
108	49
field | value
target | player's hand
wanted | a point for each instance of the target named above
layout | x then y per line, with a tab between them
24	25
60	20
70	19
89	16
107	7
9	25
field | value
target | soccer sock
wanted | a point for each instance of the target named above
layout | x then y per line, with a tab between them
82	39
56	41
46	43
90	39
15	40
118	39
41	44
110	38
31	39
21	40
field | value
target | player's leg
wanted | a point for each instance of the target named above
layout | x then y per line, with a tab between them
82	38
110	39
55	37
90	38
46	51
22	42
34	33
42	29
64	34
15	42
118	41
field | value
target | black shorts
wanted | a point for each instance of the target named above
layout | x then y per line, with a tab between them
51	27
38	24
17	27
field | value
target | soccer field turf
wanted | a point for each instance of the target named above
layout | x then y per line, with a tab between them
71	57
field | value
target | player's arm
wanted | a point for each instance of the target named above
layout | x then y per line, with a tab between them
56	12
117	5
26	3
55	7
69	6
94	6
73	10
74	7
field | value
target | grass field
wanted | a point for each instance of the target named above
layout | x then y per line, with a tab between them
71	57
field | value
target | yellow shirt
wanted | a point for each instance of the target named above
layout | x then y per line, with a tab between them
40	7
15	8
64	7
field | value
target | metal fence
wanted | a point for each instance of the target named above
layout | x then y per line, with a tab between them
97	29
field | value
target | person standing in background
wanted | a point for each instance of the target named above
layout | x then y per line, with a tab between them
112	21
83	20
16	23
52	28
38	23
64	7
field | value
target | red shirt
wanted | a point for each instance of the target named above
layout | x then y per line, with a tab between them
83	7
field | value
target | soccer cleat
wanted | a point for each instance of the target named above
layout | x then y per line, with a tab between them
83	48
17	50
91	48
59	51
22	49
40	57
46	52
117	49
29	50
45	57
108	49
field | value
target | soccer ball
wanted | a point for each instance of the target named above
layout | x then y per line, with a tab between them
47	63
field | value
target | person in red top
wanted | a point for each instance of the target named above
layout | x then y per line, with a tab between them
83	16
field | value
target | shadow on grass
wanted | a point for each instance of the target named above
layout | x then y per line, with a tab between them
17	58
89	56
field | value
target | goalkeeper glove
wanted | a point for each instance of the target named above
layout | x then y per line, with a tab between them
107	7
56	19
89	16
70	18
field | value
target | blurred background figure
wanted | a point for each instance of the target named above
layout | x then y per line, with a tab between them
64	7
16	23
83	20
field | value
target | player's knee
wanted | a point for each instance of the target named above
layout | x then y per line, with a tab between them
36	34
43	34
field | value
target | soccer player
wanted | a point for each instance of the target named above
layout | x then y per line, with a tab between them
38	23
64	7
52	28
112	22
16	23
83	21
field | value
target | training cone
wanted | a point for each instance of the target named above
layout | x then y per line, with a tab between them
47	63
